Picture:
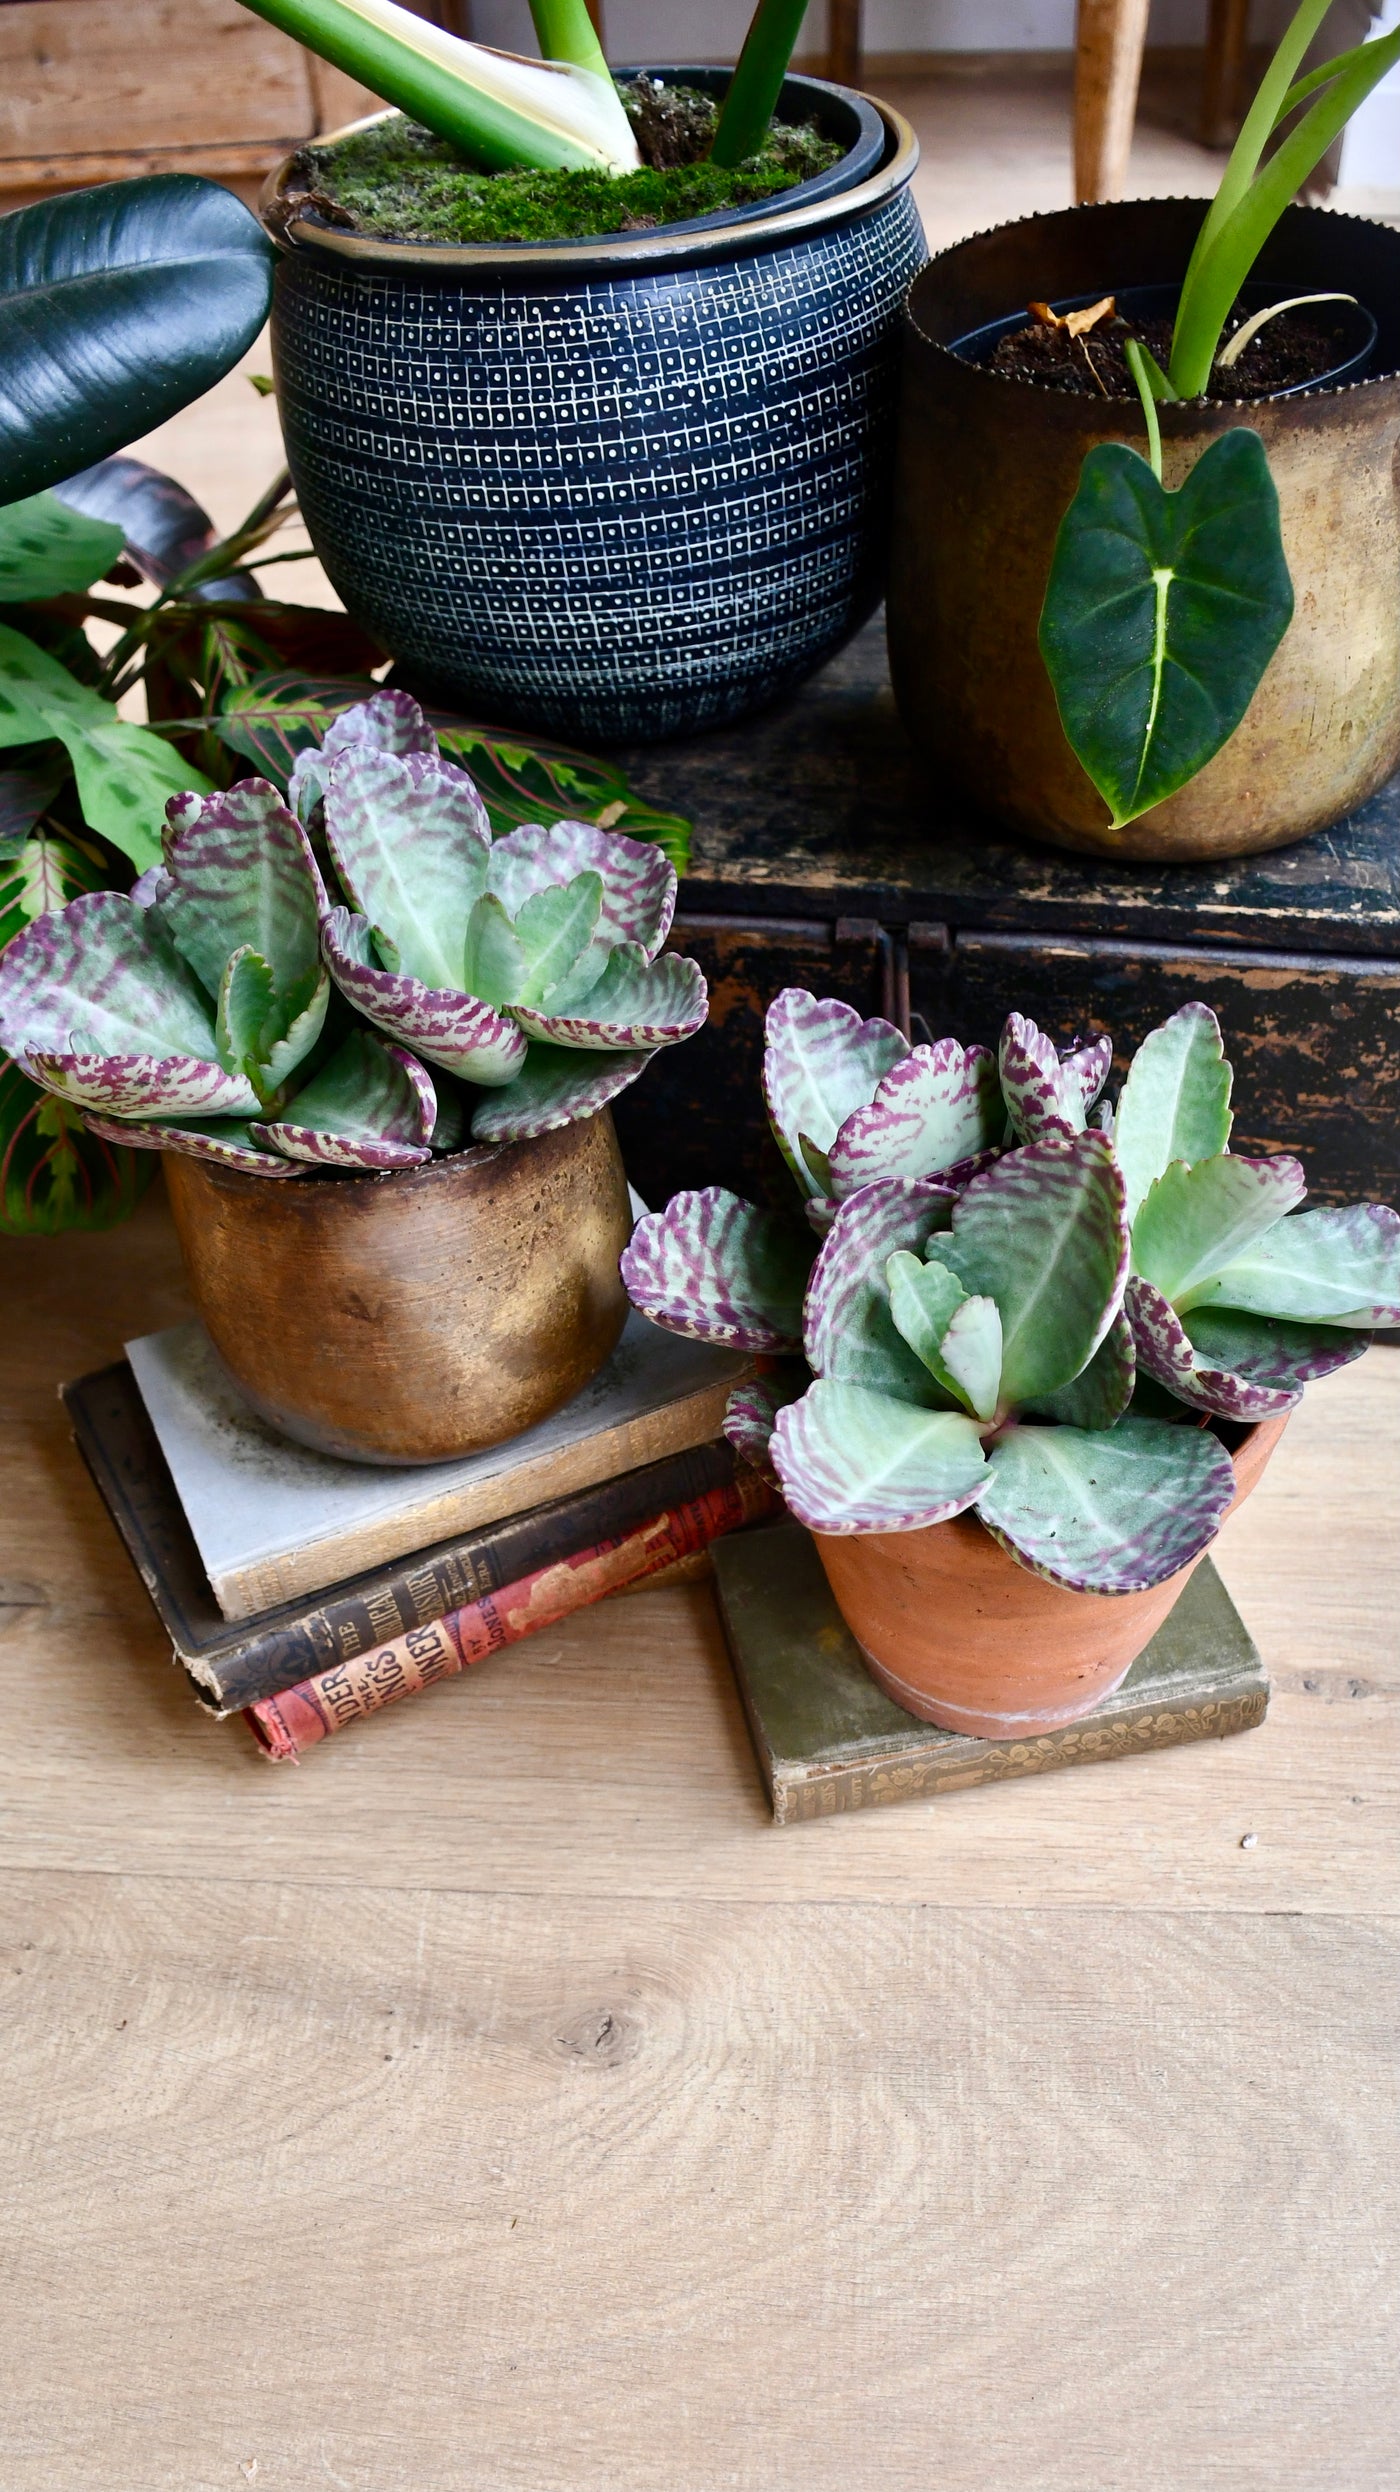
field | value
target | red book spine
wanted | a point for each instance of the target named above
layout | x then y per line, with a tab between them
300	1716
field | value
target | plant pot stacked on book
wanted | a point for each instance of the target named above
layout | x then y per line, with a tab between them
1045	1357
404	1298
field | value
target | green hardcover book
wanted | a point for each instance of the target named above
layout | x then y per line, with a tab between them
828	1739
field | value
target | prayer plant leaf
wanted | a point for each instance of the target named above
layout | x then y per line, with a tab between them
48	550
1195	1221
1043	1233
638	897
850	1333
454	1030
118	307
125	774
1044	1099
555	1086
1175	1103
1101	1392
717	1269
1118	1510
370	1106
410	839
1161	614
1236	1366
1323	1267
241	876
54	1174
937	1108
852	1460
635	1003
26	792
821	1061
228	1141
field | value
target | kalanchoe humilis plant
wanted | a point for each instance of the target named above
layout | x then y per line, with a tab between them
530	967
992	1331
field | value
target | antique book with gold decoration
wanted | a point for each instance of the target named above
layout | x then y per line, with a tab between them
828	1739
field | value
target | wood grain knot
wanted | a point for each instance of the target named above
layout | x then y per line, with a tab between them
604	2037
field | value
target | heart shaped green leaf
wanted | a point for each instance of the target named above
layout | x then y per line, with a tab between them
1161	614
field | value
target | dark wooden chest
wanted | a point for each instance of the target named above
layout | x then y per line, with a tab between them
826	856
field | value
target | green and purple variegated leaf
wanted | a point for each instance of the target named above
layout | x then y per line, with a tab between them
636	1003
1175	1103
1118	1510
1044	1098
241	875
1195	1221
227	1141
924	1298
821	1061
1086	1067
556	1086
819	1211
1239	1366
449	1028
1318	1267
410	840
262	1035
370	1106
751	1414
715	1268
853	1460
639	882
850	1334
139	1085
935	1110
390	721
1043	1233
1098	1396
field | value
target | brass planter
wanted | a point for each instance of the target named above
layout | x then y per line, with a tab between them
988	466
419	1315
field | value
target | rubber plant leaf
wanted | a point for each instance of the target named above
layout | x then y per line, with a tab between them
715	1268
125	774
1196	1221
935	1110
1175	1103
853	1460
164	529
98	1004
1116	1511
118	307
1043	1233
1161	614
820	1062
1236	1366
370	1106
850	1335
48	550
555	1086
1318	1267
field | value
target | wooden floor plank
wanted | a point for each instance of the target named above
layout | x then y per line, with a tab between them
432	2193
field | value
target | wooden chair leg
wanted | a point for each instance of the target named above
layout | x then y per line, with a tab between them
1227	42
1108	66
843	42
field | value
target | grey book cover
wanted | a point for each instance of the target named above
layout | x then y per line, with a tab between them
827	1738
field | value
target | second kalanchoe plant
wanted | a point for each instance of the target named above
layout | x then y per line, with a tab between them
1014	1311
220	1008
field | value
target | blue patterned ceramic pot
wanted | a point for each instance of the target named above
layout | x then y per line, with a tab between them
618	488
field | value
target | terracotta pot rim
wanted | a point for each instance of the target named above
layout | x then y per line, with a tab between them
1174	419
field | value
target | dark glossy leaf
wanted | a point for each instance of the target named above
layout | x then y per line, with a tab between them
1161	614
164	529
118	306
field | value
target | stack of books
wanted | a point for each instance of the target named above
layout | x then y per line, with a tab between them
306	1593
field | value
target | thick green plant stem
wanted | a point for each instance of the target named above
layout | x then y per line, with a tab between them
757	81
564	31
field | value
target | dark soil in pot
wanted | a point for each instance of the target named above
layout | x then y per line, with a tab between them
1297	350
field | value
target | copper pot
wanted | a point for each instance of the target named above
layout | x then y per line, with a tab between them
418	1315
989	465
956	1632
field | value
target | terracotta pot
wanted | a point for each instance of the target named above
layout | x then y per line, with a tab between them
989	465
955	1631
415	1316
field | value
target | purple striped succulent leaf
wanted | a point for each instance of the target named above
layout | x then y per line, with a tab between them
1324	1267
639	883
935	1111
1044	1098
850	1335
555	1086
410	839
1235	1366
751	1414
370	1106
228	1142
1043	1233
715	1268
1118	1510
390	721
853	1460
1194	1222
820	1211
454	1030
636	1003
1175	1102
241	875
1101	1392
821	1062
924	1298
1087	1066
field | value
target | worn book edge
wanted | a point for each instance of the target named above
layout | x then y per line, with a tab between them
1201	1677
